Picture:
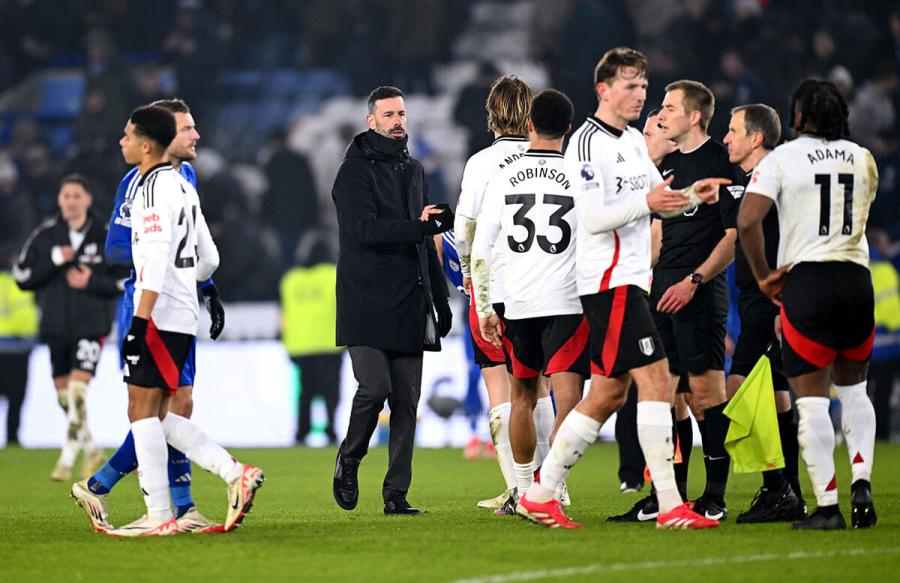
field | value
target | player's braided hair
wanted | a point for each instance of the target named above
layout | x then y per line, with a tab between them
818	108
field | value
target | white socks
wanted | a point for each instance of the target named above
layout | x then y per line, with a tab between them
654	426
573	437
185	436
498	418
153	458
524	475
858	425
544	419
816	436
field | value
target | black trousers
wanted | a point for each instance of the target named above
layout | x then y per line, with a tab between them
12	384
395	377
320	374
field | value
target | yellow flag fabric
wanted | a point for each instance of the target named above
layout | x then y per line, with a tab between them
753	441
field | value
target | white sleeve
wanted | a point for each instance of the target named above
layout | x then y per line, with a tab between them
471	195
156	228
207	252
485	235
595	213
765	180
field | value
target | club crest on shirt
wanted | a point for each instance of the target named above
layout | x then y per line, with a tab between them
646	346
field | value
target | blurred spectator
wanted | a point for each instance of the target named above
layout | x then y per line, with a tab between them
470	111
250	264
873	109
434	174
18	328
308	315
39	179
192	48
885	367
290	204
17	216
885	212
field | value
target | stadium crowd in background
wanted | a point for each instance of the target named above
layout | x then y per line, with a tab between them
125	55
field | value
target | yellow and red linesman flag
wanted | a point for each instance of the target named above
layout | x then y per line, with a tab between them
753	441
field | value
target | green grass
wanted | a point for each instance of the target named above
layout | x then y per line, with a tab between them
296	532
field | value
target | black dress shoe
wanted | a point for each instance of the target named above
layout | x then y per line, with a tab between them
400	506
346	485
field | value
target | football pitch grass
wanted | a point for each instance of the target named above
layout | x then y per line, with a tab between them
296	532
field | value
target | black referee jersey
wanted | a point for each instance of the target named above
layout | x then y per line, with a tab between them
688	239
743	275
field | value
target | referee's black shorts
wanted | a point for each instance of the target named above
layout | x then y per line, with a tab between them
757	315
693	338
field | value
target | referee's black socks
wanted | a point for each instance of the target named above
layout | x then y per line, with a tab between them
715	455
685	432
790	447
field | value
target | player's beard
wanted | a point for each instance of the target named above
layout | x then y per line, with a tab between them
388	132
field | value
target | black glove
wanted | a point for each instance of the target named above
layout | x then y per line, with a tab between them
445	317
134	340
439	222
215	308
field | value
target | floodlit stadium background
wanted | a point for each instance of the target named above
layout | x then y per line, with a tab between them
278	88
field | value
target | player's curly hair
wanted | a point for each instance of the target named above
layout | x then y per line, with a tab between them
818	108
508	106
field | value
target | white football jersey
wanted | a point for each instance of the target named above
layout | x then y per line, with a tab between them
823	190
610	167
528	210
171	247
480	168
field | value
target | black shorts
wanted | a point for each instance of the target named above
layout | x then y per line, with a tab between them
68	355
486	354
757	315
548	345
694	338
163	355
828	310
623	336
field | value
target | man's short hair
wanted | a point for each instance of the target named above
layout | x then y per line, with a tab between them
508	105
379	93
174	105
761	118
551	113
154	123
697	97
614	59
75	178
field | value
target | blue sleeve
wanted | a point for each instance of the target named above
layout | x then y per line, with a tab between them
187	171
451	260
118	238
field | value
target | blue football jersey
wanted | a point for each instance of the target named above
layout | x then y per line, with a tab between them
451	260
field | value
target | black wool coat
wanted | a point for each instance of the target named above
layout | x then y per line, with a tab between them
388	273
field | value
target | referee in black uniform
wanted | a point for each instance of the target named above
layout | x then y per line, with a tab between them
753	132
689	296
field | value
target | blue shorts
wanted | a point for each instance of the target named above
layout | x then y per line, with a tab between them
126	313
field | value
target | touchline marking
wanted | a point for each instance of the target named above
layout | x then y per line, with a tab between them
650	565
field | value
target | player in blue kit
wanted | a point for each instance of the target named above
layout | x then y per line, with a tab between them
91	494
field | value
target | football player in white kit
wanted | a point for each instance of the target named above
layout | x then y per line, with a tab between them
616	186
507	105
172	249
823	186
529	209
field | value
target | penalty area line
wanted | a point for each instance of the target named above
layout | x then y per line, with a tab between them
697	562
